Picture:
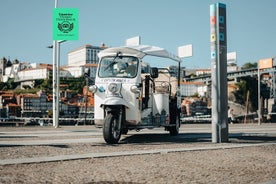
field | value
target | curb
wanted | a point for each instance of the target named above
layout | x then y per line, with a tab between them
119	154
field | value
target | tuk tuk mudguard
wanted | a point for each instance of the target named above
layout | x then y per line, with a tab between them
118	110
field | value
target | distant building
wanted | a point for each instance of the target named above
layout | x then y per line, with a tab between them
39	105
85	54
32	74
7	104
232	62
10	69
75	71
32	105
83	57
192	88
200	72
28	75
174	71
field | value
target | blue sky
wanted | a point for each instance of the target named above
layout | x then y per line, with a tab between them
26	27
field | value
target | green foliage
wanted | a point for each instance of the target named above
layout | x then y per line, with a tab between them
74	84
38	83
193	75
195	95
2	85
25	91
240	94
247	84
44	84
9	85
50	113
249	65
26	87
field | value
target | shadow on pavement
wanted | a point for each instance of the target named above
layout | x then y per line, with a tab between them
254	138
166	138
194	137
16	137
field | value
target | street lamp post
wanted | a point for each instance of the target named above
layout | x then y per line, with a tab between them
259	96
56	81
87	75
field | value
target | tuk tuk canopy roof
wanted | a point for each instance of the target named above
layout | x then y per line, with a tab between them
139	51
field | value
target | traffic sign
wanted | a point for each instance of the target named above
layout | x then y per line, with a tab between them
65	24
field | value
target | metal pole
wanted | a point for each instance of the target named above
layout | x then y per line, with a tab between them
86	101
214	78
219	73
259	97
54	81
58	83
55	107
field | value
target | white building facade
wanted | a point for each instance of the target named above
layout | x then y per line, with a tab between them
81	58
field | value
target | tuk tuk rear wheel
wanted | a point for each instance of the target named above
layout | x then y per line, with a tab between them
112	129
174	130
124	131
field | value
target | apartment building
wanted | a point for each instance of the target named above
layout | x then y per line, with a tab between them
192	88
83	57
33	105
8	105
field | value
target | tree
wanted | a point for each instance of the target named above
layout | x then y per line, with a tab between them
247	84
249	65
74	84
44	84
9	85
38	83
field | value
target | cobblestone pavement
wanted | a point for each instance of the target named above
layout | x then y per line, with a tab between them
222	163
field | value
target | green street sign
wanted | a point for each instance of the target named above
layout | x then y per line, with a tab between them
65	24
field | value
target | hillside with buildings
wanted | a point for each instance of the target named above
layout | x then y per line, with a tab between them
26	88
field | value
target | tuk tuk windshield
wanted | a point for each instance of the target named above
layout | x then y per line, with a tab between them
118	66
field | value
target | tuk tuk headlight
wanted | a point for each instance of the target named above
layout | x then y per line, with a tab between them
93	88
114	90
134	89
112	87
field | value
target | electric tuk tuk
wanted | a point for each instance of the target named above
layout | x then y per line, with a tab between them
130	95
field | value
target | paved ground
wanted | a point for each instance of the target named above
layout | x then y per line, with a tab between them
79	155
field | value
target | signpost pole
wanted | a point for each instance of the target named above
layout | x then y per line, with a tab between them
218	41
65	27
58	83
55	92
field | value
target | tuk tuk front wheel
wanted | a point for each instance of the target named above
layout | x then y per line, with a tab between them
112	129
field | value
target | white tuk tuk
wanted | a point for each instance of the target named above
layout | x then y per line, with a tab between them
130	95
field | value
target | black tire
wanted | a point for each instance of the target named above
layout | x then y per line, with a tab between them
112	129
174	118
174	130
124	131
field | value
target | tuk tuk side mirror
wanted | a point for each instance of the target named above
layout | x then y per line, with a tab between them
154	72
